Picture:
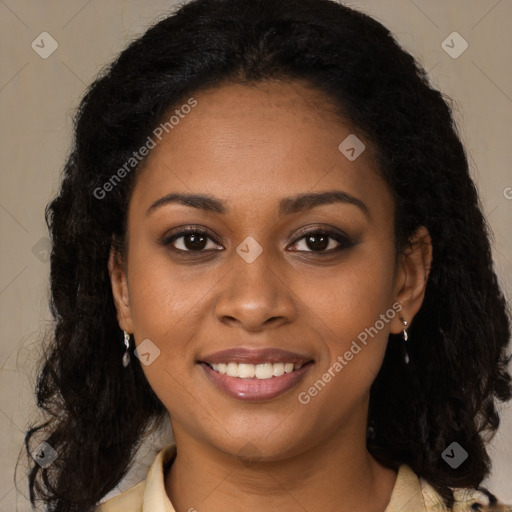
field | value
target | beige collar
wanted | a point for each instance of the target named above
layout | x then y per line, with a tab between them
407	493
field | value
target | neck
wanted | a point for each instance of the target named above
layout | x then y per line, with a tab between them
335	475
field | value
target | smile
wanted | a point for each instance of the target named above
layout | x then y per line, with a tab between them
255	374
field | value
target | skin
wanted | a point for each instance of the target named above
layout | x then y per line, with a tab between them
251	146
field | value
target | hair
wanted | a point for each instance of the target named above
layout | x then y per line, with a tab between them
98	412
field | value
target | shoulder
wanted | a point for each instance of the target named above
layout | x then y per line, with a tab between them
466	500
128	501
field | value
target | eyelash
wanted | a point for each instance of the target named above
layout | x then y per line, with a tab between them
344	240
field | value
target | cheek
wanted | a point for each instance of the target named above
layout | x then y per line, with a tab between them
165	297
351	308
354	293
166	307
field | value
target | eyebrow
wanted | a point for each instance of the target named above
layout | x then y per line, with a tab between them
287	205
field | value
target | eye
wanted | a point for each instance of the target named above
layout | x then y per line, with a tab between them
324	241
190	240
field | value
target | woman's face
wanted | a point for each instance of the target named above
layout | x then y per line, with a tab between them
256	283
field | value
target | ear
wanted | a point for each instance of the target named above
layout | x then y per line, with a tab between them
120	292
412	275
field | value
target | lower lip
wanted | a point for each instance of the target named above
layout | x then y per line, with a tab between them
255	389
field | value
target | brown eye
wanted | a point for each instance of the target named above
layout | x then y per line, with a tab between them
190	240
324	241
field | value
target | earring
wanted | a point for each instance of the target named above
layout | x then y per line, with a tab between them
126	356
406	337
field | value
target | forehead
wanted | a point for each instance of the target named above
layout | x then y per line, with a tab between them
249	142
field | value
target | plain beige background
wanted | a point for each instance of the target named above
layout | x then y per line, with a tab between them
37	98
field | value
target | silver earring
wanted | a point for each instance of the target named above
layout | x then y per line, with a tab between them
406	337
126	356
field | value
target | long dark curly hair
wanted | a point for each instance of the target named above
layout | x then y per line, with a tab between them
97	412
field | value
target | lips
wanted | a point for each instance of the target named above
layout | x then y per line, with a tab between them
257	374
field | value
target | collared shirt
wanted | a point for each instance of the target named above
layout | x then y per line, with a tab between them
410	493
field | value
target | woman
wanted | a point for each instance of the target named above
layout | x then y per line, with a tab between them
269	203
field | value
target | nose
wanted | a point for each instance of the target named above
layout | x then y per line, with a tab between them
255	296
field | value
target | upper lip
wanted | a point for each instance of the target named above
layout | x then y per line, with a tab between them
255	356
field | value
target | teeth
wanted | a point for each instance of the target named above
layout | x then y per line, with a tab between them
232	369
278	369
260	371
246	371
